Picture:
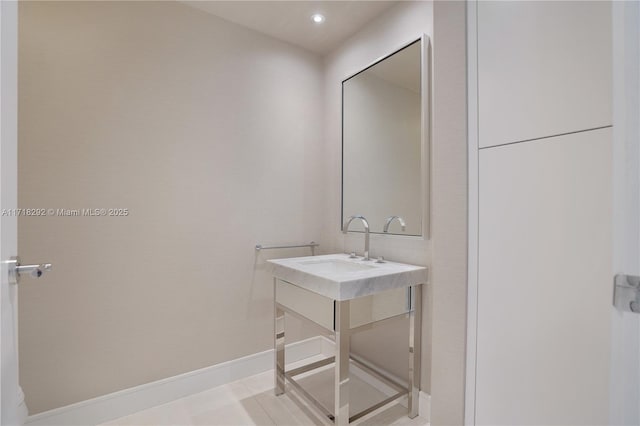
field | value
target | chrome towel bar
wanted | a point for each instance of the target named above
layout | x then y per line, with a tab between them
312	245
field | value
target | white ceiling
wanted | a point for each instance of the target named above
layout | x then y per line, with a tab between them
290	21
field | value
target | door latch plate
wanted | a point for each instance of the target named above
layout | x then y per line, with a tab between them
626	293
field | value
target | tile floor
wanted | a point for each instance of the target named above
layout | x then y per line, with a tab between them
251	401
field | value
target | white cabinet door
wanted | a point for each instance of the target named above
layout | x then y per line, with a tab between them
544	281
544	68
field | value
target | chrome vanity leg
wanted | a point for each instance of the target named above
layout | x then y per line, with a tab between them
415	349
342	322
278	345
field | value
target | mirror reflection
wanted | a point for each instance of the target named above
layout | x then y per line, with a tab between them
382	144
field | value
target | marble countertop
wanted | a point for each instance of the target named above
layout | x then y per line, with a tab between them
338	277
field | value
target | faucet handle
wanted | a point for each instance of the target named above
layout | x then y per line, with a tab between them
352	255
380	259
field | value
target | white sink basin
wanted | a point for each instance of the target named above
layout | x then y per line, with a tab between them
338	277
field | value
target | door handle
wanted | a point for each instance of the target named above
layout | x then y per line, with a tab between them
17	270
626	293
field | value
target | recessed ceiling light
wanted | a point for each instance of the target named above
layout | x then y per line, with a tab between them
317	18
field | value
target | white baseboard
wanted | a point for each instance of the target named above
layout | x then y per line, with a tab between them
23	412
128	401
424	410
424	404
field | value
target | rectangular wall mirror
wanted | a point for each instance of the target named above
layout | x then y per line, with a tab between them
385	142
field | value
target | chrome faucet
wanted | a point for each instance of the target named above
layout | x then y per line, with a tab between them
345	228
390	219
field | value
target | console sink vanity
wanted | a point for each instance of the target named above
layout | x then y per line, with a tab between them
344	295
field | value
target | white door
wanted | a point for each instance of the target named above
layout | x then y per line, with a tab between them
10	393
13	410
625	331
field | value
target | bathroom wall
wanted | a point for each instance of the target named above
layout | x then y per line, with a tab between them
209	134
386	346
445	251
449	213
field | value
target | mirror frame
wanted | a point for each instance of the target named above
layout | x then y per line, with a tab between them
425	135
